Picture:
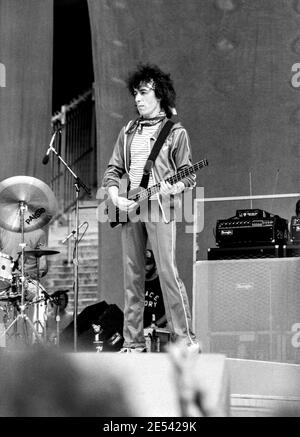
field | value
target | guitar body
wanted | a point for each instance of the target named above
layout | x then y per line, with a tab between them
115	215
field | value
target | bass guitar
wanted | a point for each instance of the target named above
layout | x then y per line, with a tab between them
140	195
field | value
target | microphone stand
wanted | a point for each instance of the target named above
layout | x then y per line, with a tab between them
77	184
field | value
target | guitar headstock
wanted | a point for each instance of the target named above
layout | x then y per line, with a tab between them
202	163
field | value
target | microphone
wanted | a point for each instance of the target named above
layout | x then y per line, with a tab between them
72	233
46	157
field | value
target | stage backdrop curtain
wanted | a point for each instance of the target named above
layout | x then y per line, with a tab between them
26	41
231	62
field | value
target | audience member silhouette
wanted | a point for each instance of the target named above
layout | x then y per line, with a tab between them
41	382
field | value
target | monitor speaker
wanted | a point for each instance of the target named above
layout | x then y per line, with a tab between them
109	318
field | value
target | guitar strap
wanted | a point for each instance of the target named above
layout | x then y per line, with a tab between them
154	152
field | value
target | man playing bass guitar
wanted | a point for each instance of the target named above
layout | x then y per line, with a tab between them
154	97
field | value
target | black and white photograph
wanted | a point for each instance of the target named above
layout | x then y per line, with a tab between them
149	211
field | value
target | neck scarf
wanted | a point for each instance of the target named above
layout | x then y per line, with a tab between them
140	122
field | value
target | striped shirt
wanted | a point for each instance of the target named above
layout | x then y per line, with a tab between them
139	153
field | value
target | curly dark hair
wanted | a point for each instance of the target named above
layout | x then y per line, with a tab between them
164	89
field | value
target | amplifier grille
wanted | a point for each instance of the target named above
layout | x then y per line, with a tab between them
249	308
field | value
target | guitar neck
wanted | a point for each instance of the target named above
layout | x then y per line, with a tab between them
154	189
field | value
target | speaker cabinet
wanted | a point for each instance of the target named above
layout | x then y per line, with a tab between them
249	308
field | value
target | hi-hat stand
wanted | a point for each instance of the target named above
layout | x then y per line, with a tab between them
77	185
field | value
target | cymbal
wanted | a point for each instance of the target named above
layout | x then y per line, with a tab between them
39	201
39	252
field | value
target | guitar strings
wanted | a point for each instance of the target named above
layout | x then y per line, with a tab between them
148	192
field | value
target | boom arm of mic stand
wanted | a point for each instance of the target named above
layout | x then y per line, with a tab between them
77	179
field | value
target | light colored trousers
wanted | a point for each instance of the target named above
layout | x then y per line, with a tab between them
162	237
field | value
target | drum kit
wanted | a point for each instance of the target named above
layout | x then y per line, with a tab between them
26	204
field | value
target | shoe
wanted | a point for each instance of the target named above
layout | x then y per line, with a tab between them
133	349
124	350
194	348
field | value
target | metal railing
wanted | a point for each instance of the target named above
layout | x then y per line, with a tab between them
76	143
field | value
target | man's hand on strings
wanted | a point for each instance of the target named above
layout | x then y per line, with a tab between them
166	189
120	202
124	204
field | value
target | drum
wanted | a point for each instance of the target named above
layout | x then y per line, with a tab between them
6	264
7	315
